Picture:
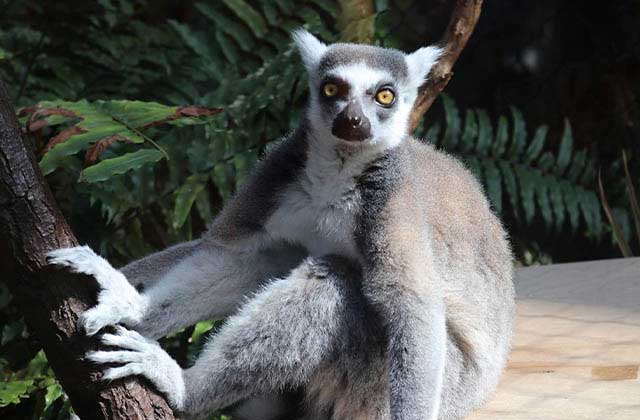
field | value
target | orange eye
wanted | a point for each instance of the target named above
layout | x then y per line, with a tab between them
385	97
329	90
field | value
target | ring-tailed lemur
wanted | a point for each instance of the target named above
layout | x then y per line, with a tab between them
380	280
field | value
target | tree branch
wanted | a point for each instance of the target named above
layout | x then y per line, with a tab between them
31	226
463	20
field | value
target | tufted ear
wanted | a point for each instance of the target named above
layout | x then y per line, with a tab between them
311	48
420	63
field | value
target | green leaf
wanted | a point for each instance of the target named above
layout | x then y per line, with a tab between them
527	189
107	168
5	295
11	331
494	184
557	203
185	197
566	146
470	131
485	133
12	391
270	13
537	144
543	199
619	231
433	134
54	391
511	183
201	329
590	206
546	161
212	64
502	137
248	15
116	118
452	117
577	166
331	7
228	48
235	30
519	138
570	197
203	205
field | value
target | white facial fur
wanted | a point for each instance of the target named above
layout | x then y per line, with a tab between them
363	80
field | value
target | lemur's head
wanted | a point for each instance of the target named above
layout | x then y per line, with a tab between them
361	94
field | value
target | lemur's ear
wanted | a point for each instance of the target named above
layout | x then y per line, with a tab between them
420	63
310	47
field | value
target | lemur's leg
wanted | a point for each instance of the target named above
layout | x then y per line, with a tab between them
183	285
276	340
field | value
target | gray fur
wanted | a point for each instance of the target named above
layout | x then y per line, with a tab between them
247	212
387	59
376	281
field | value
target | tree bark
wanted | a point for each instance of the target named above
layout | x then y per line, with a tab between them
463	20
32	225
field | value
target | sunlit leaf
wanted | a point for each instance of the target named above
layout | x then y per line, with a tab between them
107	168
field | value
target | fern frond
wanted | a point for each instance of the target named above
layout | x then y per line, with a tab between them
514	168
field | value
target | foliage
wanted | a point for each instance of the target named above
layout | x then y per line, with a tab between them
620	234
97	125
25	377
521	179
84	57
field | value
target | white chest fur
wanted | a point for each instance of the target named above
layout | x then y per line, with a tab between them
319	210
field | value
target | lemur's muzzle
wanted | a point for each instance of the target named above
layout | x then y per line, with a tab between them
351	124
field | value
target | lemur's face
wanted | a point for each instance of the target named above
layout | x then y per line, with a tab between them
361	94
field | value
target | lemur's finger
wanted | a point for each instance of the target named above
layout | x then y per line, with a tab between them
129	369
94	319
121	356
126	340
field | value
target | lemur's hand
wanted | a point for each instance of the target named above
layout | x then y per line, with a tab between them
118	300
142	356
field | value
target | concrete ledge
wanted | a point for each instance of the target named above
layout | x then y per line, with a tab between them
576	353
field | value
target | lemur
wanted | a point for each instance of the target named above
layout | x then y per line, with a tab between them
362	271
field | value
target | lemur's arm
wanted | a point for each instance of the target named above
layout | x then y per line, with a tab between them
146	272
202	279
277	339
183	285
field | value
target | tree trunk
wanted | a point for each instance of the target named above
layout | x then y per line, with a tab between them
31	226
463	21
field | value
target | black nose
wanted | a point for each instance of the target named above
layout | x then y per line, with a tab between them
351	124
